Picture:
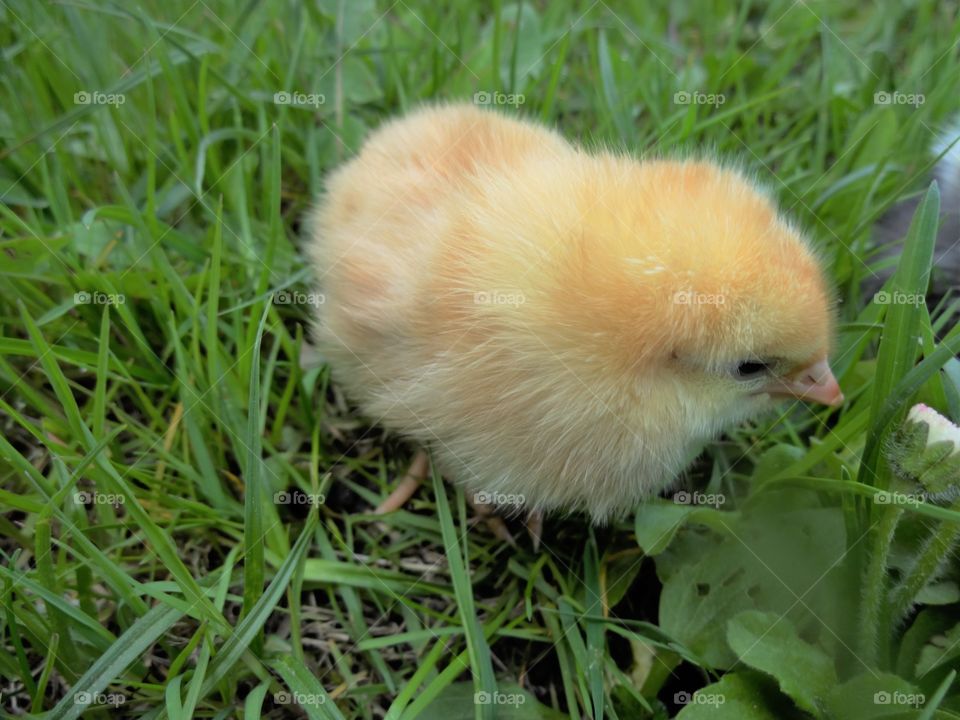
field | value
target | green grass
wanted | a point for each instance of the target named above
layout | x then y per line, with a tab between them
153	403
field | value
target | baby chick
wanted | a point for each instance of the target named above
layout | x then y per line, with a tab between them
561	328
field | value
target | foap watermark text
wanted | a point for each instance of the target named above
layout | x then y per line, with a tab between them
498	698
494	97
685	97
96	97
299	99
499	297
298	498
498	498
899	298
699	498
294	297
692	297
98	298
699	698
899	98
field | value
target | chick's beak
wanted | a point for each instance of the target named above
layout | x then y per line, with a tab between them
814	382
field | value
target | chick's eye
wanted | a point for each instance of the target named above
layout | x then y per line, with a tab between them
750	369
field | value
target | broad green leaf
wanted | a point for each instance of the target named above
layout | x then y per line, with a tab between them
780	548
873	695
769	642
940	650
656	523
736	696
927	624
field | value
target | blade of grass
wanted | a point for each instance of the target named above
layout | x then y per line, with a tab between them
596	649
481	664
128	648
899	346
160	541
254	495
899	342
252	624
306	690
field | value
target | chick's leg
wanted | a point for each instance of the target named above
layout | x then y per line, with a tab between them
416	474
494	522
535	527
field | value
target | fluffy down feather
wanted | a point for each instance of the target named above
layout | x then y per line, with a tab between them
563	326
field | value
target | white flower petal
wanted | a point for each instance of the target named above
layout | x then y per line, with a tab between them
941	429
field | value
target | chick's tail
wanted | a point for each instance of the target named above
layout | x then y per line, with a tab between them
947	256
892	229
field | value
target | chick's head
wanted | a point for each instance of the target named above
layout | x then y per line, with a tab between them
706	295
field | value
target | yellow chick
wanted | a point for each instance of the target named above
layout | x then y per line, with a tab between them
562	328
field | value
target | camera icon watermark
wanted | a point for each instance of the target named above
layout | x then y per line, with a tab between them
498	698
295	297
93	497
494	97
98	298
692	297
300	99
112	699
298	498
896	97
899	298
699	698
298	698
687	97
696	497
95	97
498	498
899	498
897	697
514	298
